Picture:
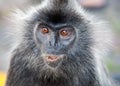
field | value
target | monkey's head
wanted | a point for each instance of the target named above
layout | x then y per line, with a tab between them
57	38
60	34
56	35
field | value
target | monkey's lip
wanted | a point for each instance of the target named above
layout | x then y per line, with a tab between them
53	60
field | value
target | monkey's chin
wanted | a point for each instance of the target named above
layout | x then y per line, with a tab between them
53	60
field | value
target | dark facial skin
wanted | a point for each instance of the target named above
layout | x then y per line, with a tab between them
54	40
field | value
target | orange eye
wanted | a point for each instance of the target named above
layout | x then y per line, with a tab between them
45	30
64	33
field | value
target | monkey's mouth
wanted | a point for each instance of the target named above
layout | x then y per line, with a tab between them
53	60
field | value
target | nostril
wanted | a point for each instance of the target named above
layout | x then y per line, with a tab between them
50	43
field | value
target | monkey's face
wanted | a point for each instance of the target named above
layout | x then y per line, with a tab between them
63	40
54	41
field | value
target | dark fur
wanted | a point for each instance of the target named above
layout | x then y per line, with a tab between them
27	67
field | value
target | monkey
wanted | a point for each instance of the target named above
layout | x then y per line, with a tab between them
58	44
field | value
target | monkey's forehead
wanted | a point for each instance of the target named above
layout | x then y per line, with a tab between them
58	16
56	11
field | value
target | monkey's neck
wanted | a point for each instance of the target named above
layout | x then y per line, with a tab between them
62	81
55	82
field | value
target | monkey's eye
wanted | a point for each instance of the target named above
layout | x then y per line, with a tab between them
64	33
44	30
